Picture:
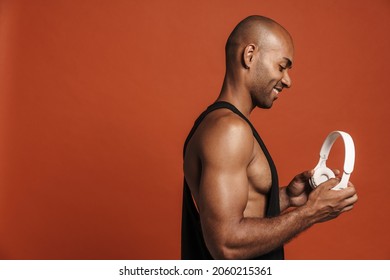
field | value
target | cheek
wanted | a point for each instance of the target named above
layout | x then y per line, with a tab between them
267	81
265	77
261	76
268	72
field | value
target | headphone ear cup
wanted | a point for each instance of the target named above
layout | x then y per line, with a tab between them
321	175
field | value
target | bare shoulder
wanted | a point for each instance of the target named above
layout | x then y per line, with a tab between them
224	134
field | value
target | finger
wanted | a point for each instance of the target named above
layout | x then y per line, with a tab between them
348	192
336	172
349	203
350	200
304	176
329	184
347	208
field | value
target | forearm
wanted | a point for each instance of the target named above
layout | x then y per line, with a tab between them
251	237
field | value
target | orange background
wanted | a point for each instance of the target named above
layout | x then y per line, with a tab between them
97	98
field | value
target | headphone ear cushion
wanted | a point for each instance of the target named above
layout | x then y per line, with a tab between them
321	175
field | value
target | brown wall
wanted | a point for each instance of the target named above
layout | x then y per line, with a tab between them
97	98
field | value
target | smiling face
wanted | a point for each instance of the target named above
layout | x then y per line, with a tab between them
269	72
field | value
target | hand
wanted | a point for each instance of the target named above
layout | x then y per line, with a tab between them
328	204
299	188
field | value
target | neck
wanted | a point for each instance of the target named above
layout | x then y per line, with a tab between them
237	95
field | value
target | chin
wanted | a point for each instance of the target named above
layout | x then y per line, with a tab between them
263	103
265	106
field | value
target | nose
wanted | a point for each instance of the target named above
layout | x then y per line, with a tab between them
286	80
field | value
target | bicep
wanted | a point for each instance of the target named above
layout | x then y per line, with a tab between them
223	190
223	194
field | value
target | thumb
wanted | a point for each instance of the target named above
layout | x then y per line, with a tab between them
304	176
329	184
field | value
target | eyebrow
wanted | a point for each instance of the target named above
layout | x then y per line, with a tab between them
289	62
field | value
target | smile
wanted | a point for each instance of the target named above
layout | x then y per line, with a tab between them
277	90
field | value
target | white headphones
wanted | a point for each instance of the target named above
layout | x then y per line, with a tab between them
323	173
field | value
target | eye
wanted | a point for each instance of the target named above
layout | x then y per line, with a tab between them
282	68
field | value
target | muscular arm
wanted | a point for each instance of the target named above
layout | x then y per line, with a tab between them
226	150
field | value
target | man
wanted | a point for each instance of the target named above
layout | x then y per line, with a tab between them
232	204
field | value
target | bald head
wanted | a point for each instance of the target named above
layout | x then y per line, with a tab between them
259	54
258	30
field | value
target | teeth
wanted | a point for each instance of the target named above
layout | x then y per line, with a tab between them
275	90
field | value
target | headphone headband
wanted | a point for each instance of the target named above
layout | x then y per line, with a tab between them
349	149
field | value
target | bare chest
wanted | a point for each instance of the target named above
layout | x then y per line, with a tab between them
259	172
259	183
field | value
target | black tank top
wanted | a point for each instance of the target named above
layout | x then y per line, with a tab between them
193	246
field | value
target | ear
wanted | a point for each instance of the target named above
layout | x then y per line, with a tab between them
248	54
